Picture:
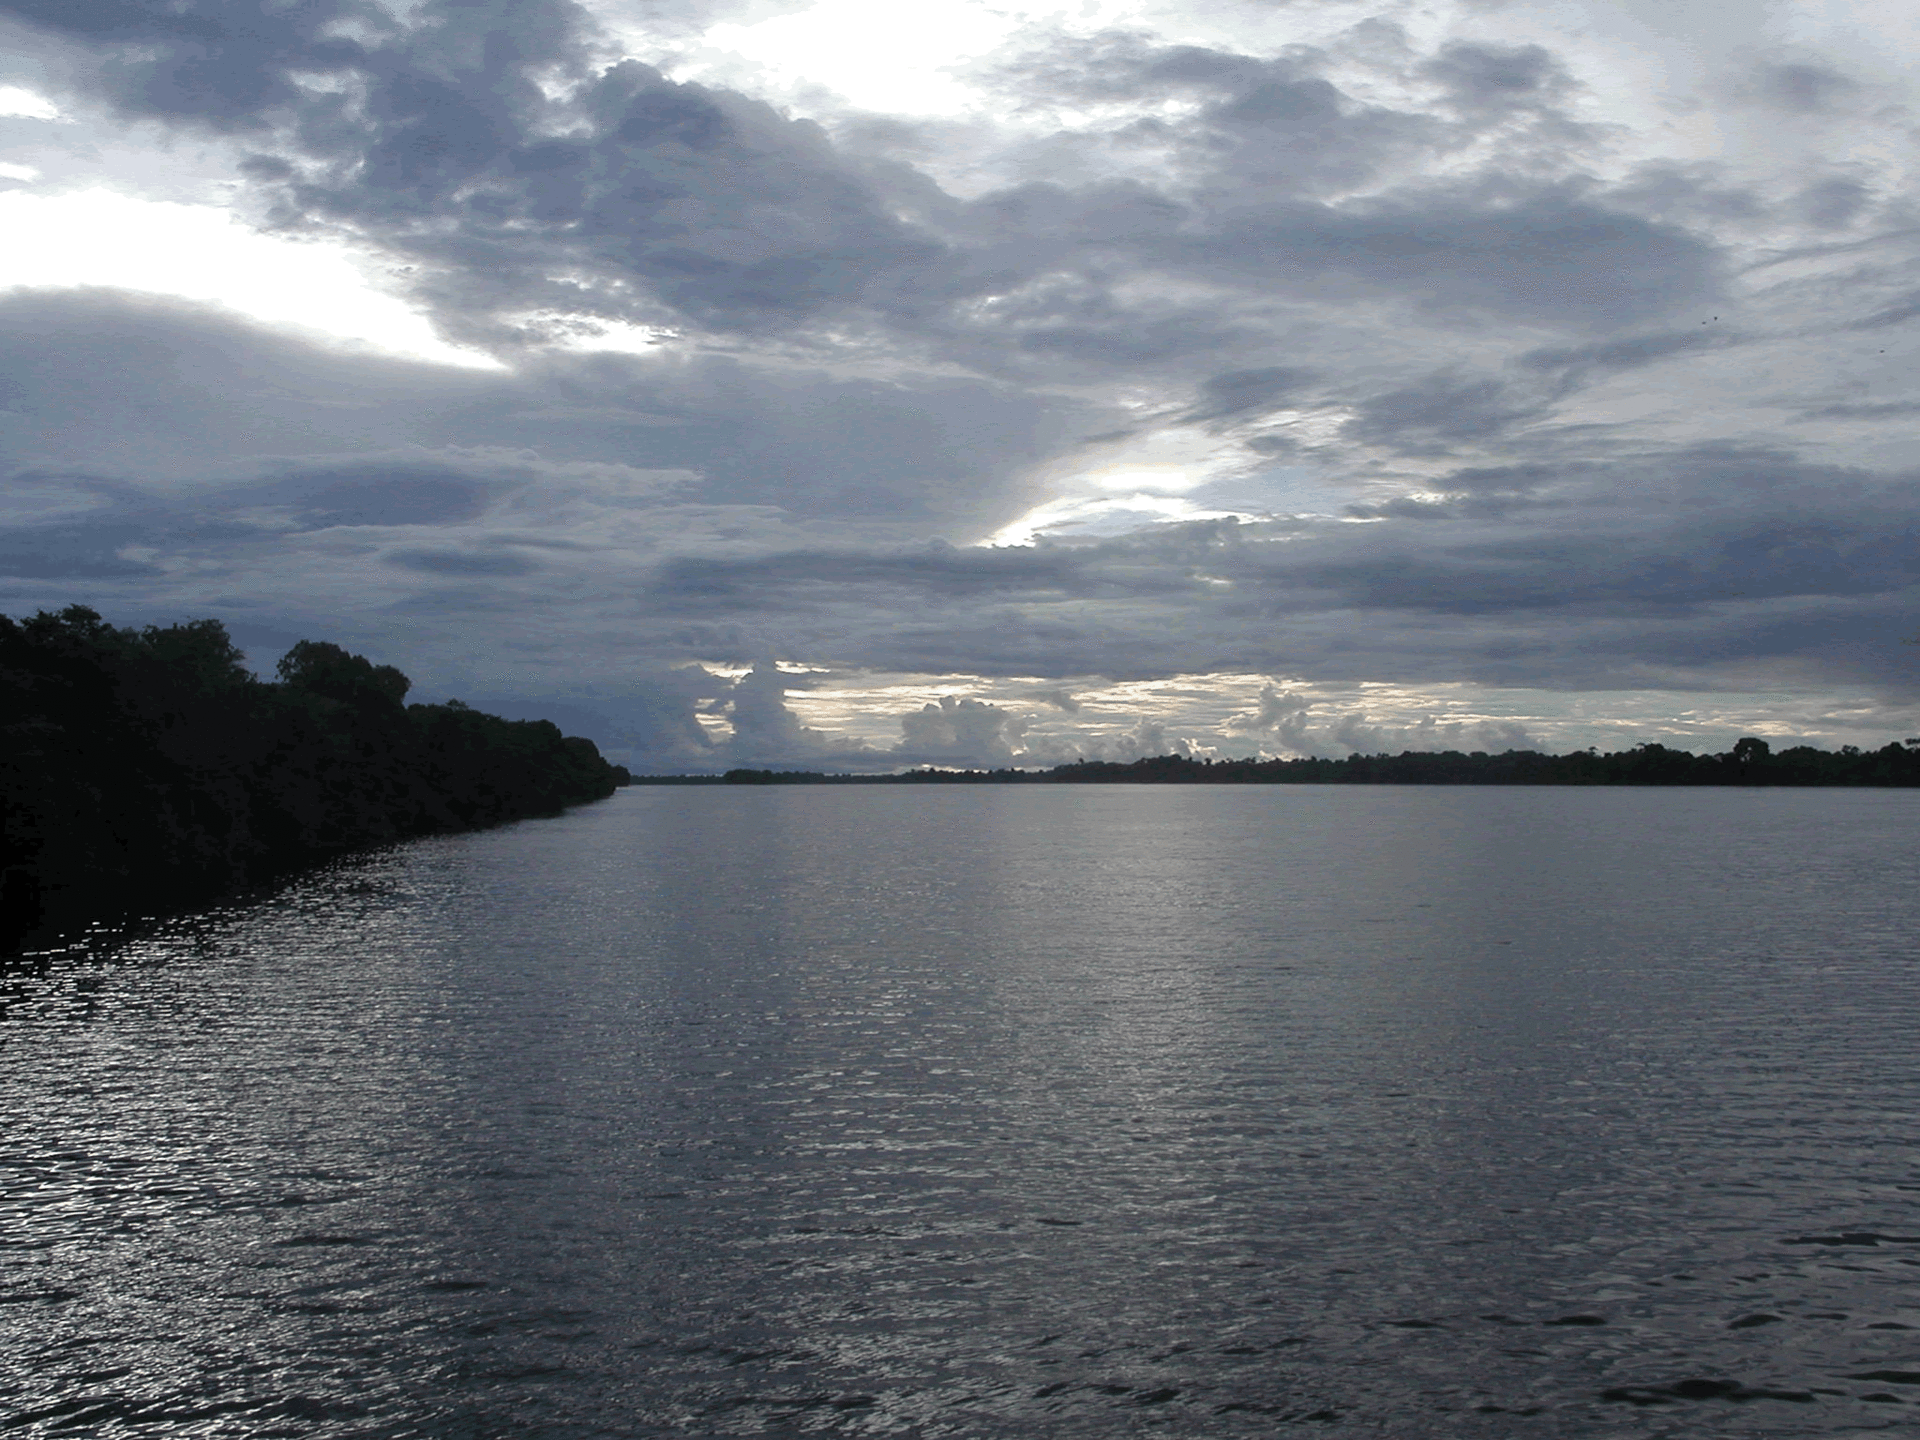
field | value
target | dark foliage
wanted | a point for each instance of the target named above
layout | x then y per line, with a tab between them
145	770
1750	762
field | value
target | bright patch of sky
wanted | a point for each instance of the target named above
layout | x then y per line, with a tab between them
878	54
96	237
18	103
918	60
1121	483
921	60
1230	716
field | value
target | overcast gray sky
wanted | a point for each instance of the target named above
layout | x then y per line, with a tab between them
853	383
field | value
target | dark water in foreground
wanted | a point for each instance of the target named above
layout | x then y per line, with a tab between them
1025	1112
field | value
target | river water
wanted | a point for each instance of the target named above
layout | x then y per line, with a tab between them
1078	1111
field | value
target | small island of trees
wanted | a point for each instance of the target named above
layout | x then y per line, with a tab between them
143	771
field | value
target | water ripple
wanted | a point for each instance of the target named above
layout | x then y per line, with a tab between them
1092	1112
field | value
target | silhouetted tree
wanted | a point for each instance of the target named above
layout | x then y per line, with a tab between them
320	668
145	769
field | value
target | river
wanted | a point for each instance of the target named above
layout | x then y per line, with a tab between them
1028	1111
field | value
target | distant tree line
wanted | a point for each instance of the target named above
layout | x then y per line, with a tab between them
146	770
1750	762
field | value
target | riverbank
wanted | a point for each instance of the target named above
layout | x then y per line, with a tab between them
146	771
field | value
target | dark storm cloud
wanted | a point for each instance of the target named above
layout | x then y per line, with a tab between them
1889	316
461	524
367	493
435	133
220	62
1421	419
124	526
1800	88
623	194
1719	526
1629	353
107	385
1883	410
928	450
1695	194
726	214
1628	569
1547	255
780	581
1521	572
71	552
285	497
1834	203
1437	507
1272	137
1107	334
112	383
1238	393
1274	119
1484	78
1687	566
461	562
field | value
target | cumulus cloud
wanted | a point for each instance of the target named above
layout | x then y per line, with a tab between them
961	728
1294	724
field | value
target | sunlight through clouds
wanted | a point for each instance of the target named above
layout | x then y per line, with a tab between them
201	252
1137	477
18	103
878	54
1229	716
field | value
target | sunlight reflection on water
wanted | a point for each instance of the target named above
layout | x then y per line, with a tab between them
1077	1111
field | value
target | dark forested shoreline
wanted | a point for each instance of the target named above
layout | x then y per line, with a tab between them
1751	762
143	771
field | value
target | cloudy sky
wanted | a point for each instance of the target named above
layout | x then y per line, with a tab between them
850	383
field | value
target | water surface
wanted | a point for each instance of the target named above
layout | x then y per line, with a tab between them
1078	1111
